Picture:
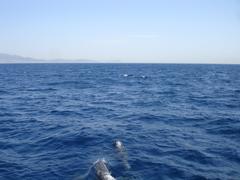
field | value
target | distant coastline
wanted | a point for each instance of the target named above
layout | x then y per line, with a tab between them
16	59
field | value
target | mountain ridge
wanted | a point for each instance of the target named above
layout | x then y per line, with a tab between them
11	59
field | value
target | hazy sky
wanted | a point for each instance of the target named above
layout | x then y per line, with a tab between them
195	31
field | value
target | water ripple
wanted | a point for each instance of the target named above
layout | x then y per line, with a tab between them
175	121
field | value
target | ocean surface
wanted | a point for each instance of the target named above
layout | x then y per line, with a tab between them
175	121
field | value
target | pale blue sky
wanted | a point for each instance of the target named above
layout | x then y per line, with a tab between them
190	31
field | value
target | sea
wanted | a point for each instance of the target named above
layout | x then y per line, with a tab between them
174	121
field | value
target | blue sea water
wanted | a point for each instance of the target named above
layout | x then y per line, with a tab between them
175	121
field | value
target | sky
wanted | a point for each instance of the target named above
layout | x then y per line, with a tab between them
149	31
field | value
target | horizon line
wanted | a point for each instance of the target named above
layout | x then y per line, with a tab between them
170	63
32	60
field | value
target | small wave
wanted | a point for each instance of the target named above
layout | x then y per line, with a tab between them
62	83
65	113
8	114
80	84
226	131
3	92
193	155
41	89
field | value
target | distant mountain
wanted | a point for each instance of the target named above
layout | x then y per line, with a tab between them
7	58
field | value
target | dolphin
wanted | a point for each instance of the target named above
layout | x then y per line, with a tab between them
119	145
122	153
102	171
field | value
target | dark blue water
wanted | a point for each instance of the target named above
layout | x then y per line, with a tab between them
175	121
